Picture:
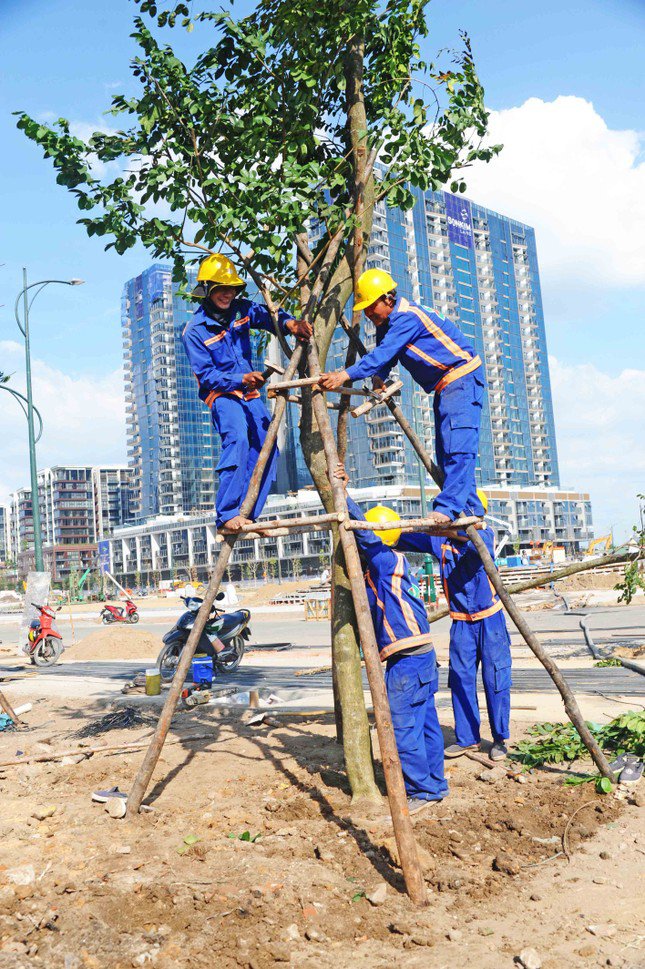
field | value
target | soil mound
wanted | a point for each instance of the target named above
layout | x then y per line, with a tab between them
121	642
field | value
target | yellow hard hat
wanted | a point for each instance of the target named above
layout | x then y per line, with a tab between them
483	497
382	514
372	284
217	270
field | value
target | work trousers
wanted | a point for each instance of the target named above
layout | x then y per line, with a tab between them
411	683
457	416
484	642
242	426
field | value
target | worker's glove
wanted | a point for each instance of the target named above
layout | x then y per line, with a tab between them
300	328
253	380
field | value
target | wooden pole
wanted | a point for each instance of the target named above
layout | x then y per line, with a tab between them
142	780
546	579
397	797
90	751
379	398
287	523
8	709
570	704
410	525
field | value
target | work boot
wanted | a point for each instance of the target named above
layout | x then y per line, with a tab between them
456	750
416	804
498	751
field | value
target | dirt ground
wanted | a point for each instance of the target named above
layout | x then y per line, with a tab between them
109	894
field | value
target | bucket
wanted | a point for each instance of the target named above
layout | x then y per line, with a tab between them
202	668
153	682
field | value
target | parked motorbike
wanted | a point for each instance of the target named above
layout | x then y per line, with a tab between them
232	628
110	614
44	644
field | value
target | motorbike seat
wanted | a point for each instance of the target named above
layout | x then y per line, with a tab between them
232	619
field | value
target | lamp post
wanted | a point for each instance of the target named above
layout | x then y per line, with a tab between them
33	469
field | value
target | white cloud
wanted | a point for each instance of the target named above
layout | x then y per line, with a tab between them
599	432
84	419
580	184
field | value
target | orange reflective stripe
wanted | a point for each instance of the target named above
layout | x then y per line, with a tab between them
424	356
388	628
435	330
457	372
406	608
245	319
474	616
421	640
214	394
214	339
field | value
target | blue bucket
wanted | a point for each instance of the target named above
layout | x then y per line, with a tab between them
202	668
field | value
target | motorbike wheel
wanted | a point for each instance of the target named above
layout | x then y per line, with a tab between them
134	617
47	653
168	660
108	619
229	660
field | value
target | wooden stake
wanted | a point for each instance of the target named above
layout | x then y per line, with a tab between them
90	751
397	797
570	704
410	525
8	709
288	523
383	395
142	780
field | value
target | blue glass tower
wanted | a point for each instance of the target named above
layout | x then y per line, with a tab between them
479	269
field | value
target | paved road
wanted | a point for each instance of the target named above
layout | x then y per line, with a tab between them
616	681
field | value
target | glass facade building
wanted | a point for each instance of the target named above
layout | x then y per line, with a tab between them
479	269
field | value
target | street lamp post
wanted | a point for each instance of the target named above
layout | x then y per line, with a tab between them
33	468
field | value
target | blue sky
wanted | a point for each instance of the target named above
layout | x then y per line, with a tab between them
547	68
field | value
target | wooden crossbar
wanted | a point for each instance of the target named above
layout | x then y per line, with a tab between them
413	525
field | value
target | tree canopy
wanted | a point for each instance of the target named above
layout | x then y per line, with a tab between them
241	150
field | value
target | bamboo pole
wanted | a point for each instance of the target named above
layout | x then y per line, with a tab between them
142	780
570	704
397	797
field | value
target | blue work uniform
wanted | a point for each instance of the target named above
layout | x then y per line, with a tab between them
443	361
478	634
411	678
218	346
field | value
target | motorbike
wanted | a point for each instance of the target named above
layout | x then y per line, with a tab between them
110	614
232	628
44	645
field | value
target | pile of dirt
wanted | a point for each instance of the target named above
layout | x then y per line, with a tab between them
116	642
586	581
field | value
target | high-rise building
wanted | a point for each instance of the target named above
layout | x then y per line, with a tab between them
480	269
172	446
5	534
79	505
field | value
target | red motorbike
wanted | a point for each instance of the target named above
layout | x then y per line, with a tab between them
110	614
44	645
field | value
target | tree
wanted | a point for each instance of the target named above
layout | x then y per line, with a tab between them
292	125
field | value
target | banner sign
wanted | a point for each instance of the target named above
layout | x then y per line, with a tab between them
459	220
104	556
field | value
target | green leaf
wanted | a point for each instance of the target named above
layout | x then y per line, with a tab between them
604	785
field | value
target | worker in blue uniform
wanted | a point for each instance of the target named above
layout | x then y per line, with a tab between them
478	635
218	344
411	678
442	360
